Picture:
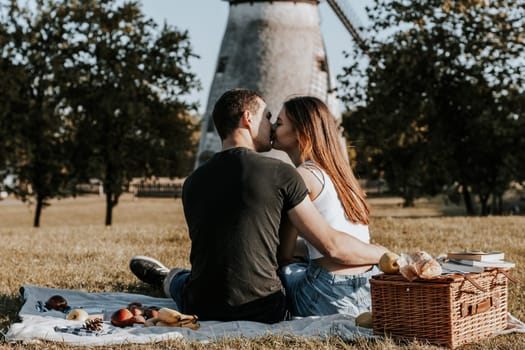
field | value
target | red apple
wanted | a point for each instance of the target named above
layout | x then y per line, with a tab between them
122	318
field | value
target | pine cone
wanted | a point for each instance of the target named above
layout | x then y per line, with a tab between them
94	324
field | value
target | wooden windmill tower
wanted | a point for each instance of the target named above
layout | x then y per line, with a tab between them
274	47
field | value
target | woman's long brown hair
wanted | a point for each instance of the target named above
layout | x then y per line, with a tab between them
320	141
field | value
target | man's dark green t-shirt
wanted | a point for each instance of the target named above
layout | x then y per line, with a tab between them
233	206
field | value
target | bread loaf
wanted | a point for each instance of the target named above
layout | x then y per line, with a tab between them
430	269
419	265
409	271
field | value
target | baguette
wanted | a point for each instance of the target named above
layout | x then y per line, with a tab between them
176	319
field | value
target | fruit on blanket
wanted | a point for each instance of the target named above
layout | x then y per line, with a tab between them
151	322
364	320
136	308
388	263
122	318
77	315
150	312
139	319
57	302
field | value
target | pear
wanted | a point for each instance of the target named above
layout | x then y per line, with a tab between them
77	315
364	320
388	263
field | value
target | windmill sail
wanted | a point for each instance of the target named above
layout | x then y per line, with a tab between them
350	21
276	48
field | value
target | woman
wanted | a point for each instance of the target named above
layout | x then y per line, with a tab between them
308	133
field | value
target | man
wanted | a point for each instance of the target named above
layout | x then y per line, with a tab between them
233	206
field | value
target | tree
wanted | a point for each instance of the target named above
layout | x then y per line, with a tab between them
175	150
437	95
520	116
91	90
126	98
39	138
5	69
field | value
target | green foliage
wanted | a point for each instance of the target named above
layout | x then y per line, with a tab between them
441	97
5	67
126	95
38	137
96	93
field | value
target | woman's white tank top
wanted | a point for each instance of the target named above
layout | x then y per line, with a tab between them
330	207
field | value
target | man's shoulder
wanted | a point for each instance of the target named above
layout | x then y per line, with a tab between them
270	158
265	161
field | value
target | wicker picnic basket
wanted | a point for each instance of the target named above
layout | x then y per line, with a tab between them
450	310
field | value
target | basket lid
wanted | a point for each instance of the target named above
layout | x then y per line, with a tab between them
439	279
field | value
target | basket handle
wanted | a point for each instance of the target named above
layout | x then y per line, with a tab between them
483	306
509	276
474	283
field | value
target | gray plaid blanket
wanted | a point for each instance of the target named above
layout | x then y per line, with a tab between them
38	323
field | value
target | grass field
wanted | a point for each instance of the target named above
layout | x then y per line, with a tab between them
74	250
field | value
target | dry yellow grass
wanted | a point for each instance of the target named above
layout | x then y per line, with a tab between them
74	250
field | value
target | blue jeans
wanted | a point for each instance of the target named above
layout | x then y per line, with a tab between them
312	290
269	309
174	285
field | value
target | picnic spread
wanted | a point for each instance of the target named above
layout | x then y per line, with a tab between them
416	298
38	323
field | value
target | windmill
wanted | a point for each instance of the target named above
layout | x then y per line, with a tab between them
274	47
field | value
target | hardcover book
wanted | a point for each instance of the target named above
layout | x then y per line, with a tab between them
476	255
495	263
451	267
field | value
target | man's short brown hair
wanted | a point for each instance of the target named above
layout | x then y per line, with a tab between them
230	107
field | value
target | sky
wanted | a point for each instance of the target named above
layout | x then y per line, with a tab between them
206	20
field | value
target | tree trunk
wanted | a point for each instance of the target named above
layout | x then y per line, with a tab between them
483	200
109	208
38	210
408	202
468	201
408	197
497	204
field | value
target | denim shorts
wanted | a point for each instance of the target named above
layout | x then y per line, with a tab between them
312	290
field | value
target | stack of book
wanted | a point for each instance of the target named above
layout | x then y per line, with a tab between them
474	261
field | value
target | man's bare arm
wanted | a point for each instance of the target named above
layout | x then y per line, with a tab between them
336	245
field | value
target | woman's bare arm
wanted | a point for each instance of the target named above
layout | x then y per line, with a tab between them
336	245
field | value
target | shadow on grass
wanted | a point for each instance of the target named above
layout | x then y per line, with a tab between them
9	307
138	288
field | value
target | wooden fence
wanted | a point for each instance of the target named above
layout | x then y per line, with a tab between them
170	190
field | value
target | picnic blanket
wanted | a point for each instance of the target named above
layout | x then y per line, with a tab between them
37	323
